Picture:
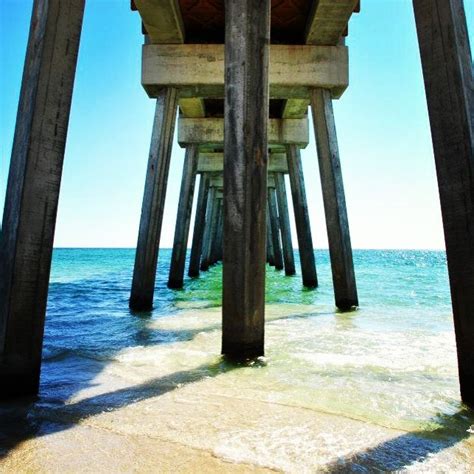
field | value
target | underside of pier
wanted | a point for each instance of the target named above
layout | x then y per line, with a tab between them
239	76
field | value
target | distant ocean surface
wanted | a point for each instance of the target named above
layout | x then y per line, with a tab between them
390	364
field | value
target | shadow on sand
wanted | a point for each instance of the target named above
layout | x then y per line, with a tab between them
27	419
408	449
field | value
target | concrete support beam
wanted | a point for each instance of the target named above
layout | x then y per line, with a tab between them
217	181
183	218
211	132
340	249
270	249
26	239
270	180
199	226
162	20
295	108
447	70
275	228
328	21
193	107
215	233
245	176
197	70
210	216
303	227
220	234
287	244
211	162
146	257
213	228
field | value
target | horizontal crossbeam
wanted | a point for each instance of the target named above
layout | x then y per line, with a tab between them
197	70
214	162
210	132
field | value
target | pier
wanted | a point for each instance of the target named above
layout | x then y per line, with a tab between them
234	81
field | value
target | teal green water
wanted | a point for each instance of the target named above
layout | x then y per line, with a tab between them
391	363
387	279
399	342
89	291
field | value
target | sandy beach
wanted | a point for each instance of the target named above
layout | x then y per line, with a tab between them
179	408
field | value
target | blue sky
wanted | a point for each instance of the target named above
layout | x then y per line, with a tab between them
381	120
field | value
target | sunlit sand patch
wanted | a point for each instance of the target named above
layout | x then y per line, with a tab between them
178	405
83	448
200	425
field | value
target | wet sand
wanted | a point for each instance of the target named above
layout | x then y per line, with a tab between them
179	407
201	428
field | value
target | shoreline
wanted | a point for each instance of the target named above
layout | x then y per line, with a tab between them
174	431
178	406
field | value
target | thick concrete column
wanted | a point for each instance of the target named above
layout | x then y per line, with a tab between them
26	239
183	218
303	227
245	176
447	70
146	258
275	227
210	218
215	233
288	254
340	249
199	226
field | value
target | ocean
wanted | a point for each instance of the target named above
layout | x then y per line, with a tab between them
375	389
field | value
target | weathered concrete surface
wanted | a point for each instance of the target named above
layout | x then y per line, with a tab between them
270	249
215	233
340	249
295	108
213	162
217	181
183	218
29	218
192	107
303	226
275	228
197	70
199	226
329	20
210	131
245	177
287	244
220	234
146	257
207	240
447	70
162	20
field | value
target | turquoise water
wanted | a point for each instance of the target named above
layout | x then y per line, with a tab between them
89	291
391	364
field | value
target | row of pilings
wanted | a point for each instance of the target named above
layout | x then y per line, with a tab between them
38	152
